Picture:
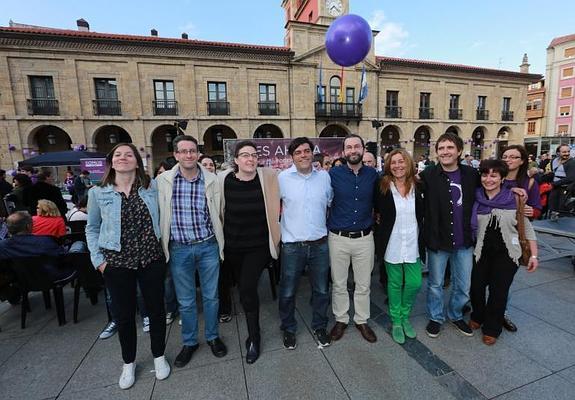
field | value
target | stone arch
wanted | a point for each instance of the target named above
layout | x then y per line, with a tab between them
213	140
48	138
478	142
502	140
108	136
161	140
334	130
268	131
454	129
389	137
421	141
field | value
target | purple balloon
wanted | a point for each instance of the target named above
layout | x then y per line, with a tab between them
348	40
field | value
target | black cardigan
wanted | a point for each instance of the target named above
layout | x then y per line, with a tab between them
437	226
385	206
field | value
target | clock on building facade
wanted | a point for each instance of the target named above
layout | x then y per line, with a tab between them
334	7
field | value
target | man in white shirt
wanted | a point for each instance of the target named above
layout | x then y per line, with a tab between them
306	193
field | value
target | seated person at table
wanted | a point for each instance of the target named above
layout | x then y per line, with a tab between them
80	211
48	220
22	243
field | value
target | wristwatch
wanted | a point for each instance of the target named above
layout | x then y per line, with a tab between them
535	257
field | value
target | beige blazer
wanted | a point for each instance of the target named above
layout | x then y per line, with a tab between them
270	188
213	197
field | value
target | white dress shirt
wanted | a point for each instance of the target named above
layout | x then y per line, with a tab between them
305	199
403	246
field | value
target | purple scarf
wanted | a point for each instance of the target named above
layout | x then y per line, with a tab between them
504	200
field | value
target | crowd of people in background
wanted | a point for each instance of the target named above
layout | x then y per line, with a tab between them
156	241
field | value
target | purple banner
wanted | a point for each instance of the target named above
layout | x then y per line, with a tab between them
95	166
274	152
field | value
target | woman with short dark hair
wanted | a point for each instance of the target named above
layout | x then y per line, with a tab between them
123	236
497	251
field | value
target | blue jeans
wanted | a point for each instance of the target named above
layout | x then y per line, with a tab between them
294	258
461	261
184	261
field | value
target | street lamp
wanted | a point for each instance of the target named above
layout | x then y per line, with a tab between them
51	139
169	137
268	135
113	138
219	136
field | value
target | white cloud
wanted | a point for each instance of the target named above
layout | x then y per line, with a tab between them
392	39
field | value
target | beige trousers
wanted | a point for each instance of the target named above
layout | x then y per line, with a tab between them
360	253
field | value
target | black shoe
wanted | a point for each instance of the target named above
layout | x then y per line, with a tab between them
289	340
509	325
433	329
322	337
218	347
462	327
185	355
253	351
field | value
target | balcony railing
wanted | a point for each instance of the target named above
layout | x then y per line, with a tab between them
269	108
338	110
107	107
165	107
425	113
482	114
218	108
506	115
43	107
392	112
455	113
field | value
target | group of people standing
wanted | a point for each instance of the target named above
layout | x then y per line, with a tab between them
228	227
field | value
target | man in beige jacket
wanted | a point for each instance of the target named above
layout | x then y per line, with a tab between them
189	200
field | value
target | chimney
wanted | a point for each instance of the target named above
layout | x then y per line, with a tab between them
184	35
154	32
524	67
83	25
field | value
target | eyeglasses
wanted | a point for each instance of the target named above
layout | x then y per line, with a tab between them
510	158
248	155
187	152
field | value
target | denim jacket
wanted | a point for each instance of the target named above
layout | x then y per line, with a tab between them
104	223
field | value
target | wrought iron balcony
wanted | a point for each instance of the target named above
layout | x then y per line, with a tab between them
165	107
455	113
218	108
425	113
338	110
506	115
107	107
269	108
392	112
43	107
482	114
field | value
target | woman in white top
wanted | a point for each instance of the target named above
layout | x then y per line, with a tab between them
399	203
80	211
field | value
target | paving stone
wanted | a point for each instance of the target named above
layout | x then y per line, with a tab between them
223	380
142	389
569	373
303	373
508	368
10	346
552	387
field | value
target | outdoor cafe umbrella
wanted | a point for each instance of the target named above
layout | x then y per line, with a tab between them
60	158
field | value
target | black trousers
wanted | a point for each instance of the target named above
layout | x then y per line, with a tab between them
247	267
121	282
225	283
494	270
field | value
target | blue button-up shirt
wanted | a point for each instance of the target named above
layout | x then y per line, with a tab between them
352	206
305	199
191	220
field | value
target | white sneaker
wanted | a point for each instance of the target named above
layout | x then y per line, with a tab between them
146	324
162	368
128	376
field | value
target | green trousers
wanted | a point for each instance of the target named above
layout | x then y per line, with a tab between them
403	283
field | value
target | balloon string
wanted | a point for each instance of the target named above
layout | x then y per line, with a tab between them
341	88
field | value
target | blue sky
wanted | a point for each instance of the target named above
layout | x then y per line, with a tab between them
489	33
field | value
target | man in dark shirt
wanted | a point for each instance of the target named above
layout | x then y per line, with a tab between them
5	187
449	192
45	189
350	237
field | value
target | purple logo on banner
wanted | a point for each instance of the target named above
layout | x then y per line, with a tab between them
274	152
95	166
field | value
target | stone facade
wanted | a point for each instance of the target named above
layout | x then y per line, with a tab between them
75	59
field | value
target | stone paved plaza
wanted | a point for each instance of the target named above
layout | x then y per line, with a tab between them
45	361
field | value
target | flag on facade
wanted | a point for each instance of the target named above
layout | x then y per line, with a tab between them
320	85
363	87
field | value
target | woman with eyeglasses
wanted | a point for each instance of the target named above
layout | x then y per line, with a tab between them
123	234
250	216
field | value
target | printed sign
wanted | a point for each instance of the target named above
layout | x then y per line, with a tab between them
95	166
274	152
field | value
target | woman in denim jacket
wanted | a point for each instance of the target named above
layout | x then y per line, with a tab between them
123	236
